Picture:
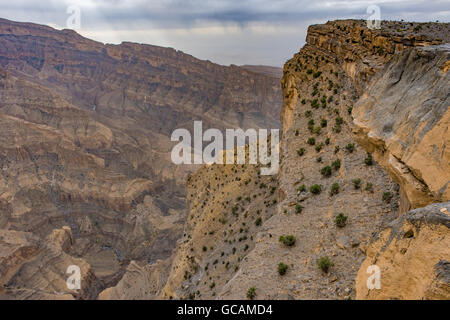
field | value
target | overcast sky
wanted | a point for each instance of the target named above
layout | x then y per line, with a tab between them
224	31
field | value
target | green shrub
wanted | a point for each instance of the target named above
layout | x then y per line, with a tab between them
309	71
336	164
349	110
258	222
356	183
315	104
317	74
317	130
311	141
301	151
339	121
334	189
308	113
287	240
369	187
337	129
298	208
336	149
251	293
387	196
302	188
369	159
319	146
303	101
323	122
350	147
282	268
327	141
204	248
324	263
315	189
326	171
296	132
341	220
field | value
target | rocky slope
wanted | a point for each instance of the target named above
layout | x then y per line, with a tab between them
365	138
85	143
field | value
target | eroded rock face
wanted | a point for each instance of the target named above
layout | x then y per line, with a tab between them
413	256
140	282
33	268
403	118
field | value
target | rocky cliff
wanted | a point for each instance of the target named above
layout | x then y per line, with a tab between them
85	144
365	139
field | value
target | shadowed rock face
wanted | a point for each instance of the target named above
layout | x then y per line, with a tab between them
404	118
85	140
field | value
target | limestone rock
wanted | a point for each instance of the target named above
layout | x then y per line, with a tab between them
413	255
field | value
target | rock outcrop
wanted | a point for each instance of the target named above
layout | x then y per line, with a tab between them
403	118
33	268
413	256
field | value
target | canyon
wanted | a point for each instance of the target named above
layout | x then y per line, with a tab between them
85	153
363	180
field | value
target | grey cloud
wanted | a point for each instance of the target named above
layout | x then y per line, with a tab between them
112	15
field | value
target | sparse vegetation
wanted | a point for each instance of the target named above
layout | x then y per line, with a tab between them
311	141
369	159
350	147
356	183
349	110
251	293
287	240
387	196
324	263
319	146
341	220
315	189
258	222
301	151
336	164
369	187
334	189
326	171
282	268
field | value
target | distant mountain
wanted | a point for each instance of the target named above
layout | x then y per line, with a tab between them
275	72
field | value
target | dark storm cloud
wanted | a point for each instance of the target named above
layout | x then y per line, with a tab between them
179	13
163	21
